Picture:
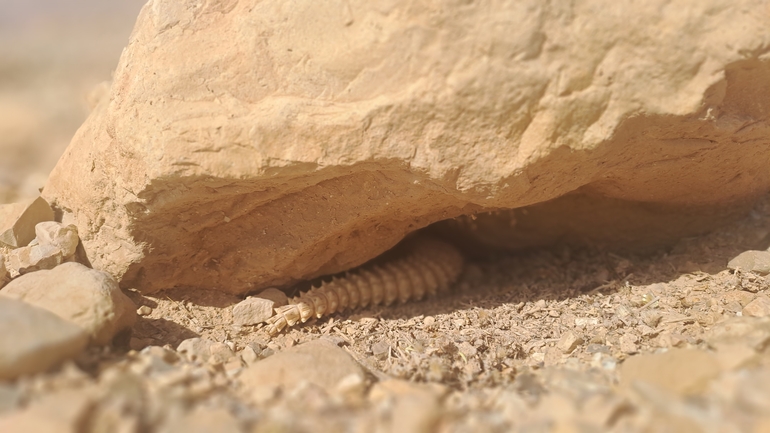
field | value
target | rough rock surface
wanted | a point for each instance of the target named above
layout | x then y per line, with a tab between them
34	340
303	140
53	244
5	276
18	221
253	310
755	261
87	297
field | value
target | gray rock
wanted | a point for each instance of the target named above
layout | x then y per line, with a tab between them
318	362
18	221
755	261
252	310
34	339
86	297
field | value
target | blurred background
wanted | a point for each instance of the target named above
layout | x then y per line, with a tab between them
55	56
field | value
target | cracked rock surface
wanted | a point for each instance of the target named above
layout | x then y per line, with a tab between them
302	141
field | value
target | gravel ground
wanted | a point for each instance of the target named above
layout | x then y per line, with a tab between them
548	340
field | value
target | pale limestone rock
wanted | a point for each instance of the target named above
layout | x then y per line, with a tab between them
34	340
303	140
754	261
18	220
202	420
34	258
759	307
57	235
278	297
86	297
319	362
252	310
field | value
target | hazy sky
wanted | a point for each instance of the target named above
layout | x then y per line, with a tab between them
14	13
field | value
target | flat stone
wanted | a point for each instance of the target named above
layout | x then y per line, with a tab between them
34	340
753	332
319	362
759	307
568	342
741	297
18	221
754	261
252	310
680	371
84	296
278	297
57	235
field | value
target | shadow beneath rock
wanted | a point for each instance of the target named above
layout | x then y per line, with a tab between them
161	331
202	297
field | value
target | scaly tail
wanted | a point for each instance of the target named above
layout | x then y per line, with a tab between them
430	267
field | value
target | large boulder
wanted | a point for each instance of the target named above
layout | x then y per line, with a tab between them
250	143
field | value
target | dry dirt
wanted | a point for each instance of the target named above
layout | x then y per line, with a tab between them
499	350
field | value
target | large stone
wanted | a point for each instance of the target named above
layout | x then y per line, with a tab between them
303	139
18	221
33	339
319	362
754	261
86	297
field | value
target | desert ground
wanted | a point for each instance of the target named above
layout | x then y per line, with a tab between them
562	338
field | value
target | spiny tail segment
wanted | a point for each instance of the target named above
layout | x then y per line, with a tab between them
429	267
